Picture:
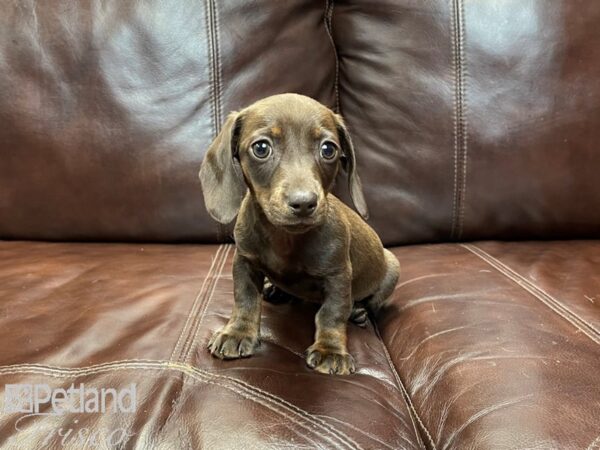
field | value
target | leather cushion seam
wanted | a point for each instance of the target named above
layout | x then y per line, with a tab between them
193	310
208	297
403	391
329	5
460	122
552	303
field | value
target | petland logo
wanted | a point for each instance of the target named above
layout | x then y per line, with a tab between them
41	400
28	398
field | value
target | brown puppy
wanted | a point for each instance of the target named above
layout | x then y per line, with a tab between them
273	166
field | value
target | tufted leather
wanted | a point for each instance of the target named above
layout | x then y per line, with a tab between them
472	120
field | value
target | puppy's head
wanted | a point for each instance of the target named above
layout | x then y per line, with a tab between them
286	149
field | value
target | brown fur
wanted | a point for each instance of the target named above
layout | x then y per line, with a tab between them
329	256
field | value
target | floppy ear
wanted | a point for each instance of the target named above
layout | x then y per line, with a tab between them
221	174
349	165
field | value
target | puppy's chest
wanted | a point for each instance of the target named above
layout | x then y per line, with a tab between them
286	263
293	271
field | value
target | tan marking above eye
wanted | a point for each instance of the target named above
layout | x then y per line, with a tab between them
317	132
276	131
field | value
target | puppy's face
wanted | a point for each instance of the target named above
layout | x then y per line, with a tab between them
290	151
286	149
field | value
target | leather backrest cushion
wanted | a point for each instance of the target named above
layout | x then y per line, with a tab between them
471	119
474	119
106	107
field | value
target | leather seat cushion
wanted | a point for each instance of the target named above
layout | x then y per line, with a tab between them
498	344
108	315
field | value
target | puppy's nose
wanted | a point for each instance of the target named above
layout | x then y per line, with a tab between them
303	203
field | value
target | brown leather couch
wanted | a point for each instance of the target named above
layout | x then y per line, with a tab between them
474	121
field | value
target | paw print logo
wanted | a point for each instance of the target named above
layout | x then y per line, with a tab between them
18	398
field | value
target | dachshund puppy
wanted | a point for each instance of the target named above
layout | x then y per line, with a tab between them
273	166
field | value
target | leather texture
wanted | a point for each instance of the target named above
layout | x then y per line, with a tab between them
109	315
499	344
106	107
473	120
484	345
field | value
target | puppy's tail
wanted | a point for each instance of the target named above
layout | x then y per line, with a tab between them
382	295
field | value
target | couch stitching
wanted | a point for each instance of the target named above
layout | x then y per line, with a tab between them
218	72
189	340
460	124
404	392
455	120
215	91
211	280
539	291
329	5
464	133
291	405
58	368
194	376
197	374
211	86
195	304
552	303
204	308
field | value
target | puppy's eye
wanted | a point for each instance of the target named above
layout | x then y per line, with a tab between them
328	150
261	149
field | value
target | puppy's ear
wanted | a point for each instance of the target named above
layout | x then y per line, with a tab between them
349	165
221	174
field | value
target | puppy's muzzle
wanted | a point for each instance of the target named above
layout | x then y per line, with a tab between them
302	204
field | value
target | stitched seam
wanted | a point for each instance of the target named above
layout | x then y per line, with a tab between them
213	29
193	310
216	32
58	368
208	296
455	120
329	5
211	86
210	279
404	392
210	288
460	124
189	340
342	436
194	376
537	291
465	133
200	375
554	304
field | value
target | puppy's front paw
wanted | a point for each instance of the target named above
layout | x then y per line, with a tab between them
229	343
329	361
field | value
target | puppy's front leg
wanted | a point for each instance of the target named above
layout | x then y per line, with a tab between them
240	337
329	353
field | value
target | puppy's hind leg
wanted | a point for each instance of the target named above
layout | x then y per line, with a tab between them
359	315
387	285
272	294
